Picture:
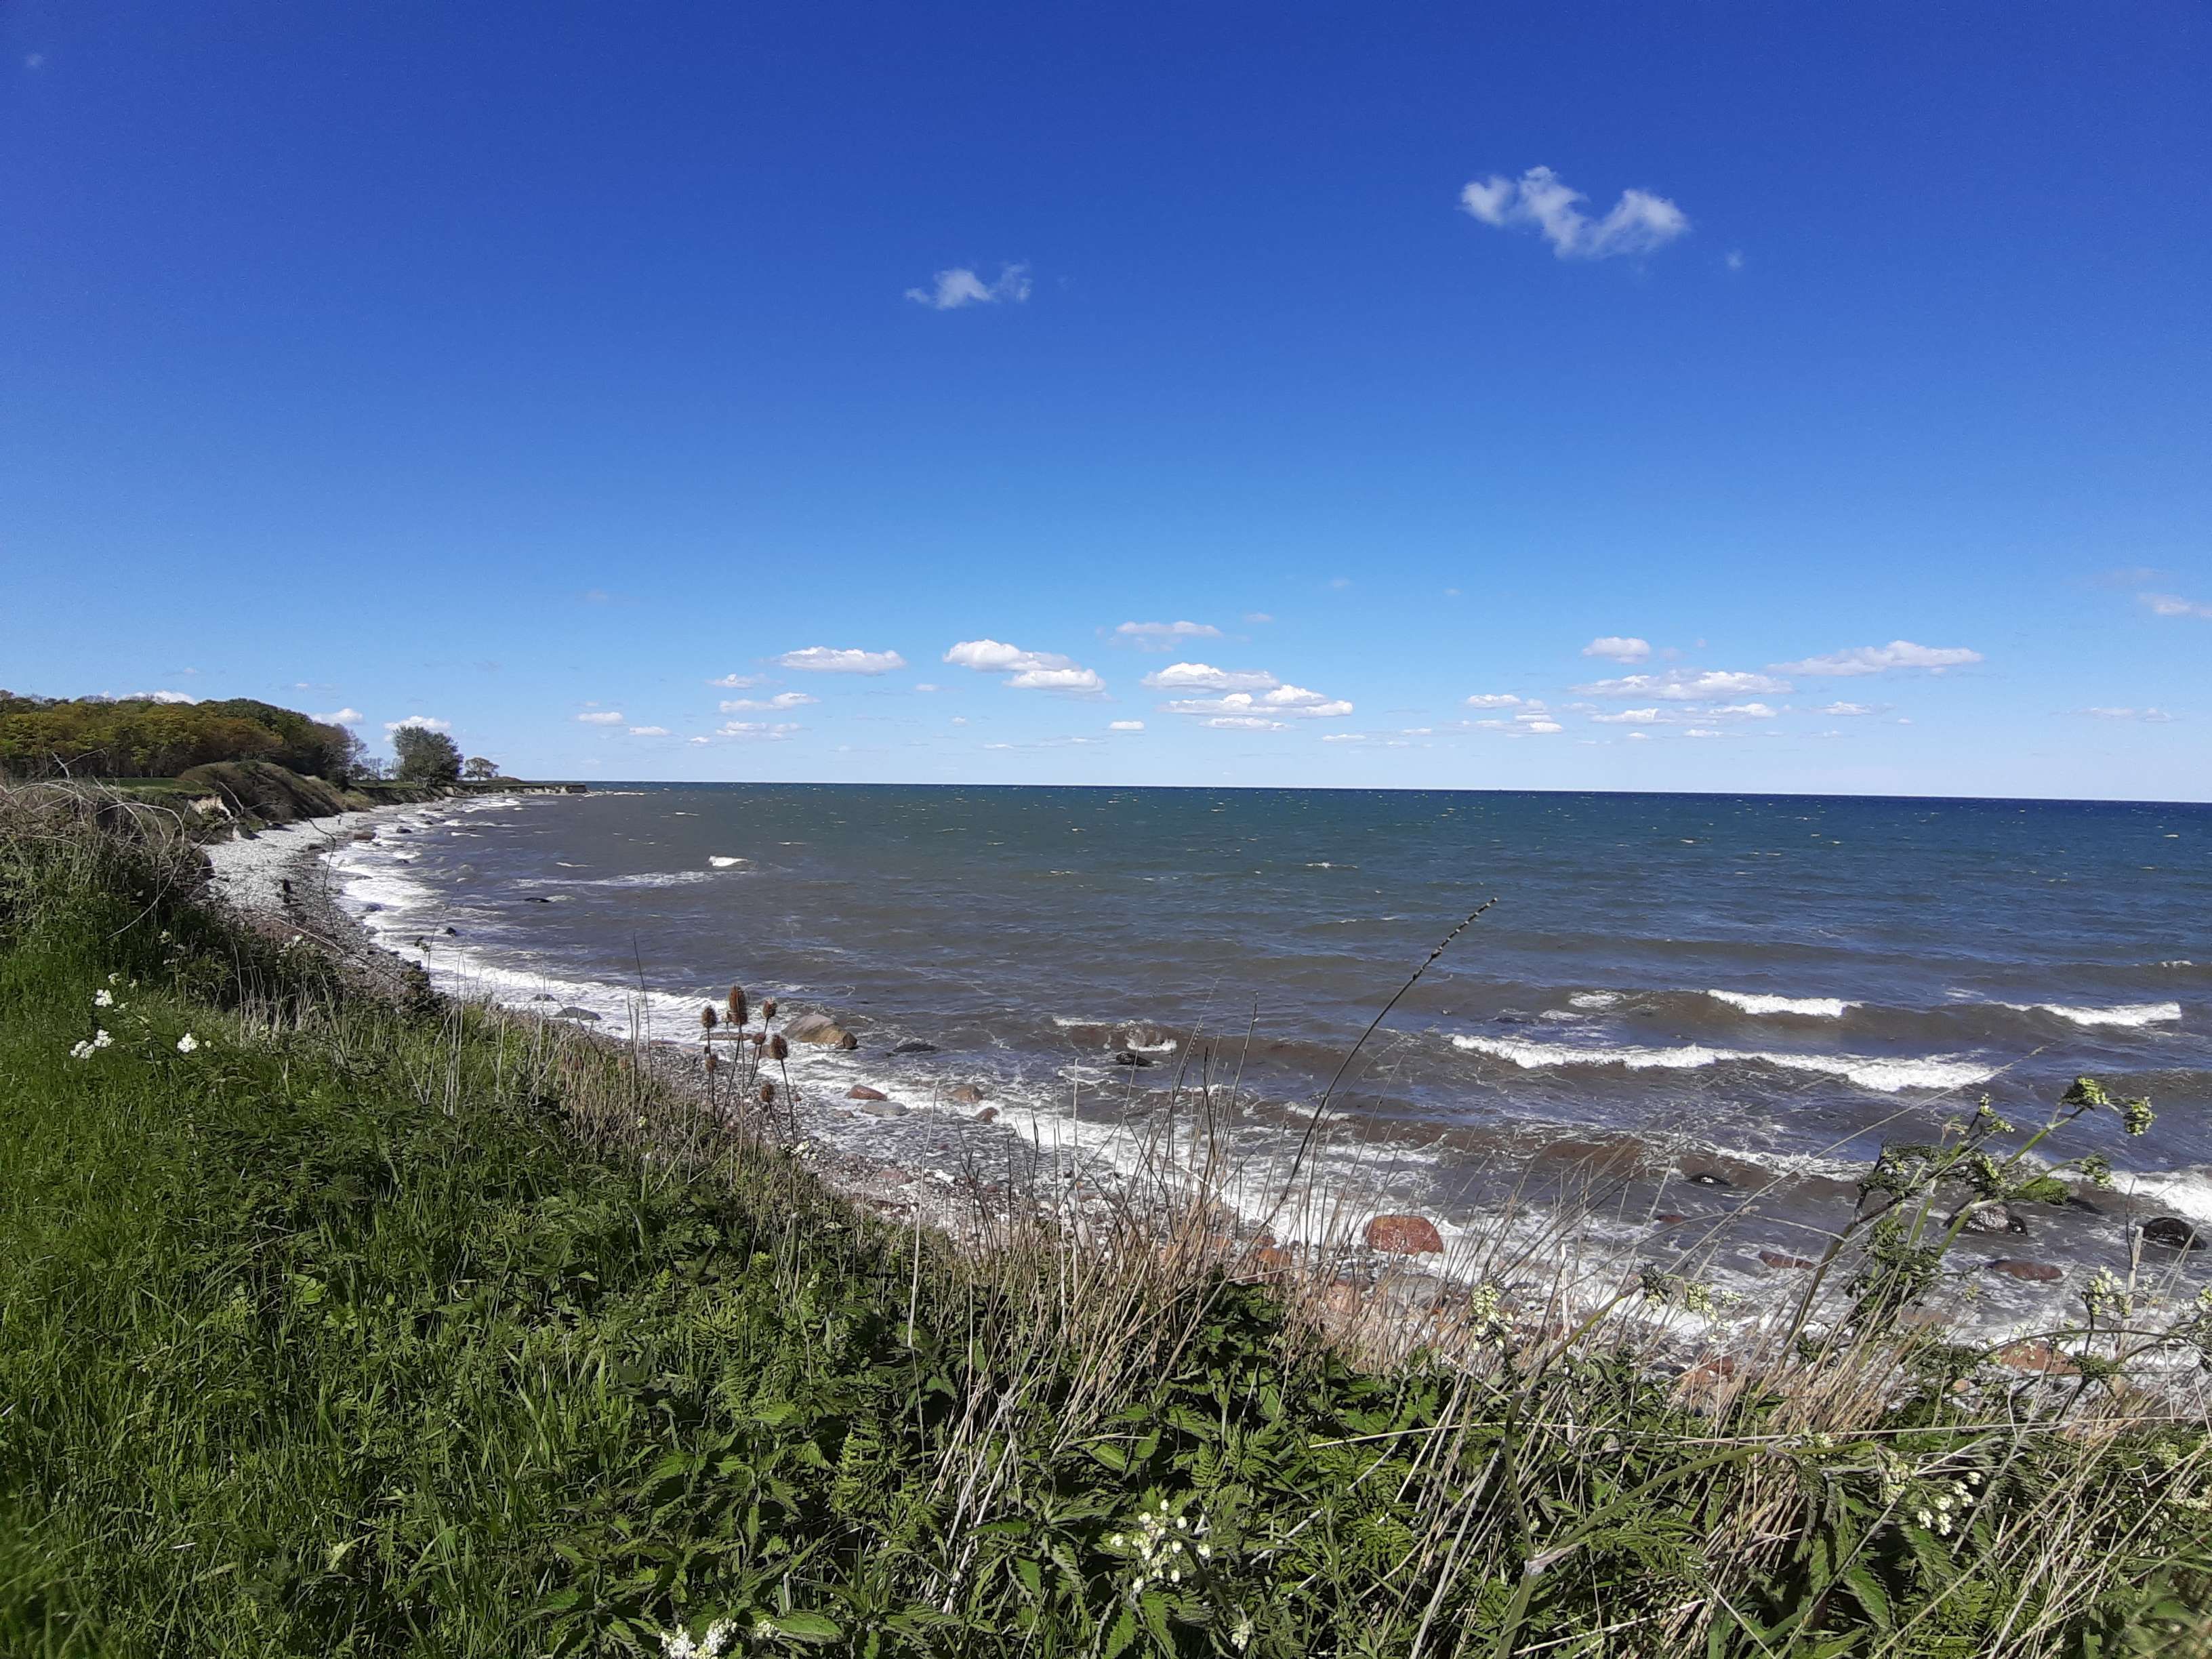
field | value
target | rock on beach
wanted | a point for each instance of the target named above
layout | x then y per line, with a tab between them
1404	1235
821	1029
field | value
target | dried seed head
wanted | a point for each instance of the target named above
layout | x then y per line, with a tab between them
707	1019
768	1094
768	1008
758	1039
778	1046
737	1004
713	1062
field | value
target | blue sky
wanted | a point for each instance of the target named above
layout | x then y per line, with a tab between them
1764	398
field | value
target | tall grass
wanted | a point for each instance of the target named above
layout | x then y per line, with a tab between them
387	1326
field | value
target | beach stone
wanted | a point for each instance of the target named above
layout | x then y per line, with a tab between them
578	1013
2039	1272
2174	1231
1404	1235
883	1108
916	1047
1131	1057
2036	1357
1775	1259
967	1094
1993	1217
1708	1178
820	1030
1670	1219
987	1114
861	1091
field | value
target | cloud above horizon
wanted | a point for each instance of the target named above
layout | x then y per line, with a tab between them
781	700
1163	635
1204	677
420	723
961	286
755	731
2172	604
648	731
2149	716
341	717
1619	647
1028	670
830	660
738	682
601	717
1685	685
1294	701
1881	659
1639	223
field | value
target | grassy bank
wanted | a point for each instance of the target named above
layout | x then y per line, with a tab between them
334	1326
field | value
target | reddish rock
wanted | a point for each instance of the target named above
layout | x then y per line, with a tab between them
861	1091
1775	1259
1669	1218
2036	1272
987	1114
966	1094
1405	1235
2036	1357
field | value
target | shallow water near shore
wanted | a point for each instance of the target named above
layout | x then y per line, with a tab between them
1678	1001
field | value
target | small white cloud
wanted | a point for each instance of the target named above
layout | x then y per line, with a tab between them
960	286
1750	711
1847	710
419	722
738	682
1290	700
2147	716
960	719
1162	636
1257	617
2172	604
1639	736
1493	700
1733	258
1204	677
604	717
1639	223
1057	679
156	696
701	739
1619	647
341	717
828	659
1629	717
1880	659
925	686
1546	727
1344	737
997	657
781	700
757	730
1124	725
35	60
1244	723
1686	685
648	731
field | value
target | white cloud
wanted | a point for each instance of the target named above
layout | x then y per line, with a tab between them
1880	658
1204	677
419	722
2172	604
604	717
960	719
1257	617
1733	258
1344	737
1844	710
1291	700
1530	722
1244	723
2149	716
1124	725
1639	736
738	682
757	730
925	686
648	731
156	696
781	700
1544	726
1639	223
1685	685
1751	711
1493	700
1057	679
1629	717
827	660
1619	647
1162	636
342	717
961	286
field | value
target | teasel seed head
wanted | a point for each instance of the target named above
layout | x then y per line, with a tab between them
707	1019
778	1046
713	1062
737	1004
768	1094
768	1008
758	1039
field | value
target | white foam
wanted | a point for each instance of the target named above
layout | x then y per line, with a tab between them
1751	1002
2130	1013
721	861
1888	1077
2185	1192
1594	1000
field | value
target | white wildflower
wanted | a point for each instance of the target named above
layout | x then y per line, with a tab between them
115	979
103	999
186	1044
1240	1635
719	1635
677	1644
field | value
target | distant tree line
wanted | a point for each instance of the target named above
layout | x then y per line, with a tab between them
138	738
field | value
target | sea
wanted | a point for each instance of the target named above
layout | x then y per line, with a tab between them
1713	1009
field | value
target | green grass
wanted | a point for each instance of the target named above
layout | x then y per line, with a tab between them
364	1330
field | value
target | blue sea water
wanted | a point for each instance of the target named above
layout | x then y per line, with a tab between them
1747	986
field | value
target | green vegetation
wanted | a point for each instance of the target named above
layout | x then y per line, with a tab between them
333	1325
425	756
105	738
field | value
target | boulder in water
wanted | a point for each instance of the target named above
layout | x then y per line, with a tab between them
916	1047
1991	1217
2037	1272
1131	1057
968	1094
861	1091
577	1013
2175	1233
1404	1235
820	1030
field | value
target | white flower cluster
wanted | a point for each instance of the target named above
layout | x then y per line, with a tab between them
679	1644
1486	1318
186	1044
103	999
1946	1505
91	1046
2106	1294
1166	1546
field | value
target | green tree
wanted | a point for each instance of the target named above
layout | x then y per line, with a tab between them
478	769
426	756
